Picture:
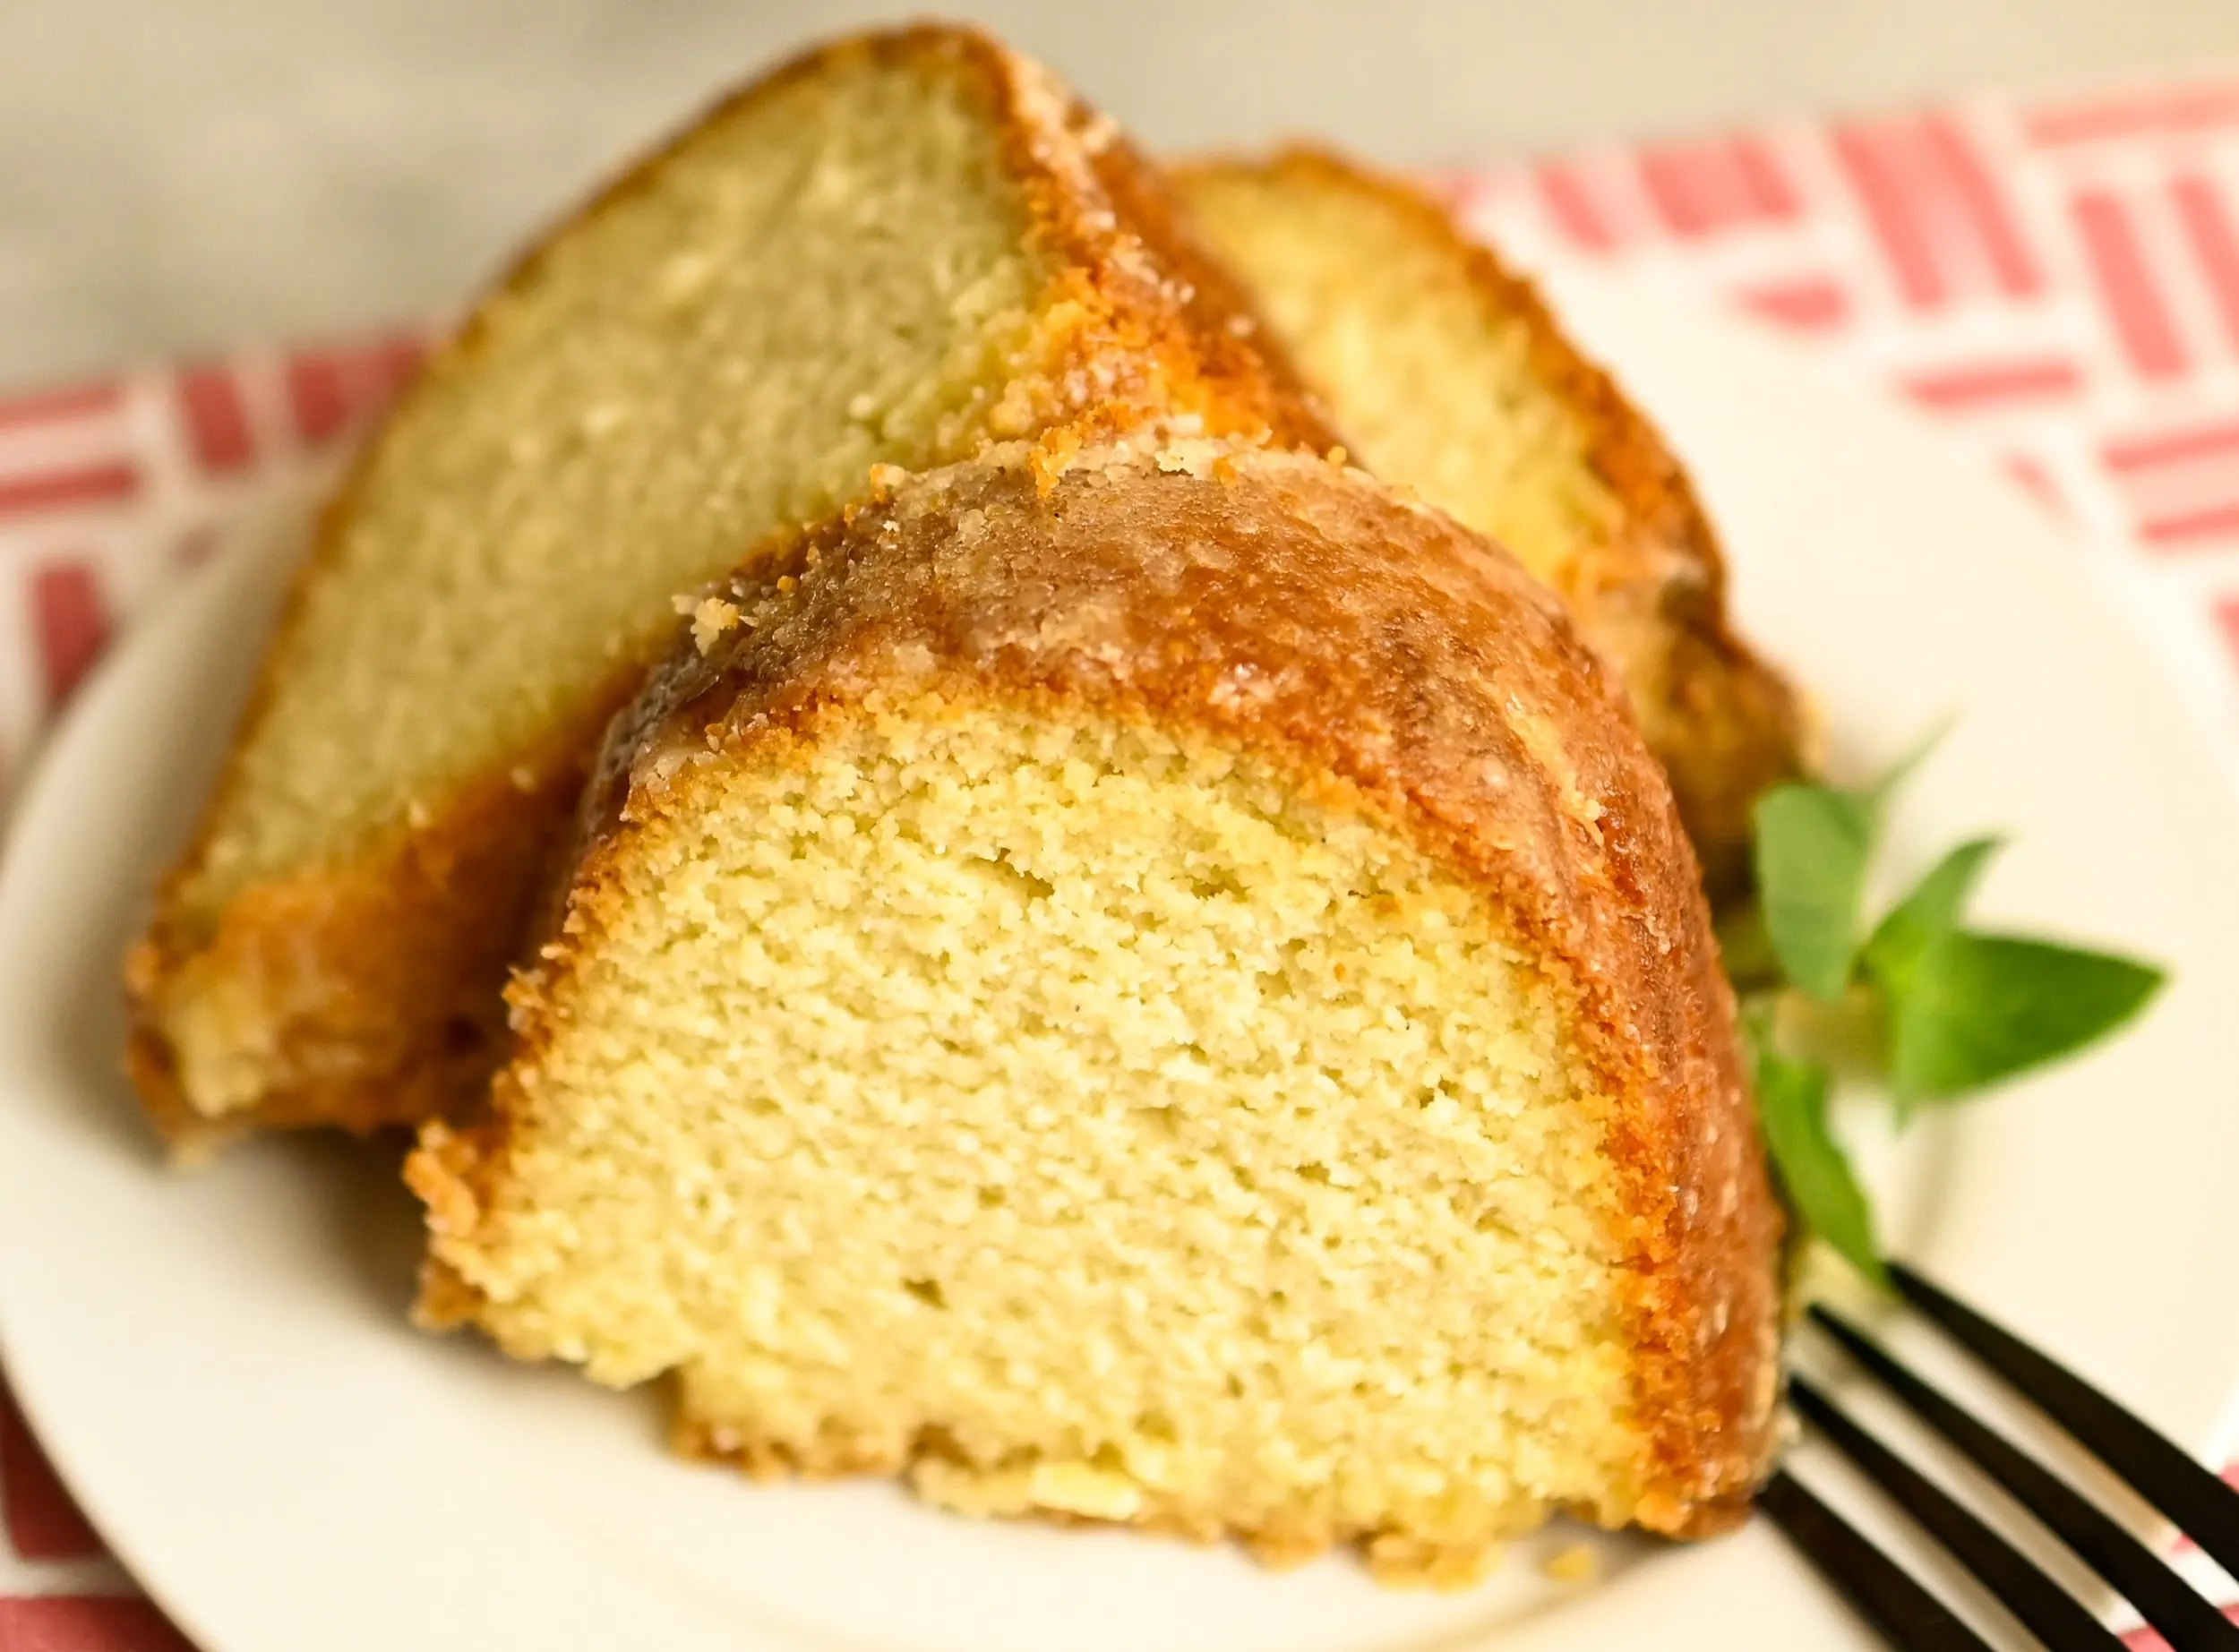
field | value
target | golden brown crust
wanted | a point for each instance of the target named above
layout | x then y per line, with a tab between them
378	980
1723	722
1227	336
1394	664
1160	335
379	972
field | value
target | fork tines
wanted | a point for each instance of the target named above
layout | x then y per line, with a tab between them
2196	1501
1907	1615
2201	1505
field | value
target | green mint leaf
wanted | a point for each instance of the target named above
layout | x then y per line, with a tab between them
1933	908
1812	845
1977	1009
1822	1190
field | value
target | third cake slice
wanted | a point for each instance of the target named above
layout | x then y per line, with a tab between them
1447	373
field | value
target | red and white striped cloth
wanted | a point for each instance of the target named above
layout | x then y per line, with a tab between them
2053	278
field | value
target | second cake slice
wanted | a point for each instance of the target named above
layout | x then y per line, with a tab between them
888	252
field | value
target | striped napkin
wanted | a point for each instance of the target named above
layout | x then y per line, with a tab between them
2053	279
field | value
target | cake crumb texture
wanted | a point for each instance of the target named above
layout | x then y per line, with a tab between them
1157	1142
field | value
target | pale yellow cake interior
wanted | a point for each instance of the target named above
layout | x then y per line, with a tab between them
1431	381
829	275
1090	1119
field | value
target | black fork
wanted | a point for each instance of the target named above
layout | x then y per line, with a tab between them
1906	1613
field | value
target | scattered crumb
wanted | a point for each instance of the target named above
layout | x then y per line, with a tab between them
863	405
1399	1561
710	620
885	478
416	815
524	778
1337	454
1049	457
1576	1562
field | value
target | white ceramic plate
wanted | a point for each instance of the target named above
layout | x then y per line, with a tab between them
221	1365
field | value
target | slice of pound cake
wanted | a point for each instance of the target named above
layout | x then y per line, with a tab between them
889	252
1447	373
1181	1001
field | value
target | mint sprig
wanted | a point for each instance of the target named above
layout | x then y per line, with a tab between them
1811	848
1929	912
1942	1012
1978	1009
1792	1112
